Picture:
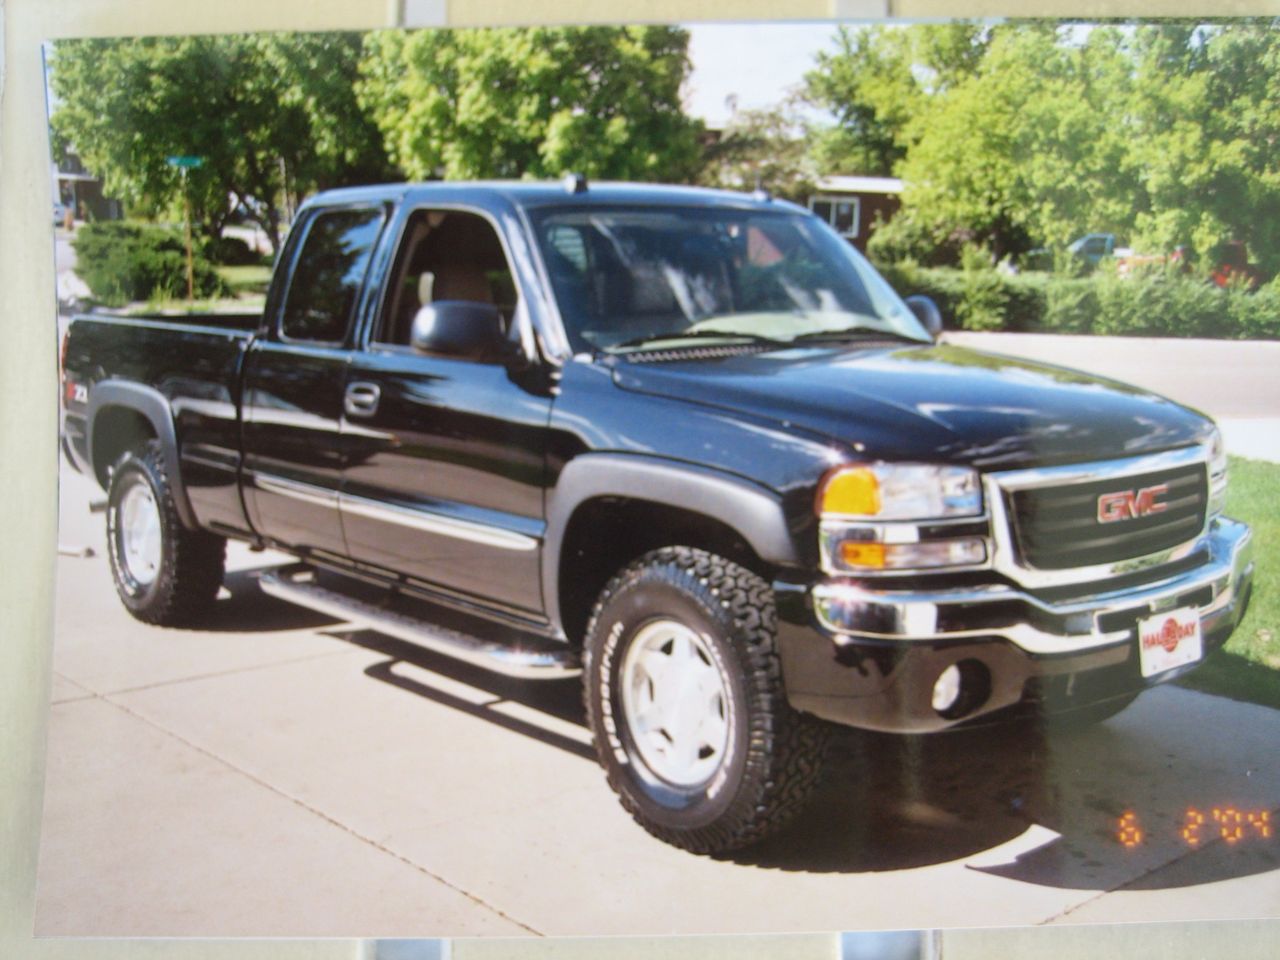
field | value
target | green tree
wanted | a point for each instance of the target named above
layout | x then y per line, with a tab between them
1207	137
268	113
761	147
603	101
1034	145
876	83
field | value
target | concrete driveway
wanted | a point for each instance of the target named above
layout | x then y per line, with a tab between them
279	774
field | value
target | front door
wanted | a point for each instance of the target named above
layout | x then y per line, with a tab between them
444	481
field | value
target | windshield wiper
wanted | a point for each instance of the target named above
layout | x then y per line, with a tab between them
700	335
855	333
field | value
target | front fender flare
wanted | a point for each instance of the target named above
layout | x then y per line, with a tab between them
754	511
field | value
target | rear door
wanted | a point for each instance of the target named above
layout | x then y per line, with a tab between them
444	481
294	377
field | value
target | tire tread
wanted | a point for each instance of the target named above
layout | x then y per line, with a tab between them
193	560
785	749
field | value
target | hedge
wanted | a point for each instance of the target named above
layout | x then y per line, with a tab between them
231	251
1151	305
123	262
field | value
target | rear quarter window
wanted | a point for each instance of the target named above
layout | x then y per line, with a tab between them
329	274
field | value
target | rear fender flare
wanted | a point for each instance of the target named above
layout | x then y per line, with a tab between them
151	404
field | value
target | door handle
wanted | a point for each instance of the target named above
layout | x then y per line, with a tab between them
362	399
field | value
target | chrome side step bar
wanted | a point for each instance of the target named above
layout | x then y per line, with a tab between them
534	659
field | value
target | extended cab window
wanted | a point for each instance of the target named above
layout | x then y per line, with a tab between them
445	255
329	273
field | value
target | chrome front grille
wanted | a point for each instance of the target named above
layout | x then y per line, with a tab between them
1058	528
1046	527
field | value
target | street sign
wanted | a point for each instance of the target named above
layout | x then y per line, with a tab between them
184	164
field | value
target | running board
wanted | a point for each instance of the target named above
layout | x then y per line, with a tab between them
533	659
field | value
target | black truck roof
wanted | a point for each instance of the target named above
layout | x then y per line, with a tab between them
532	193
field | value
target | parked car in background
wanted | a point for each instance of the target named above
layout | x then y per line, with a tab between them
1096	247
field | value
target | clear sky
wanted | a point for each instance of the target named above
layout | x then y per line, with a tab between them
759	63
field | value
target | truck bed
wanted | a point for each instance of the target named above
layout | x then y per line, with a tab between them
194	363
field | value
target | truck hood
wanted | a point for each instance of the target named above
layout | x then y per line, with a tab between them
929	403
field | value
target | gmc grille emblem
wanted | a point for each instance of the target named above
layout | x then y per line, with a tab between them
1131	504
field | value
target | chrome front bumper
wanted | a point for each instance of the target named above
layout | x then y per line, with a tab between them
853	611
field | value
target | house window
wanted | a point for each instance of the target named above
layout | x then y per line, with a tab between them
840	212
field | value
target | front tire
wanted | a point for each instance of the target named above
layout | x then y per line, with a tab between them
164	573
686	706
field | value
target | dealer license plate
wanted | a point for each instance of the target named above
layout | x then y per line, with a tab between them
1169	640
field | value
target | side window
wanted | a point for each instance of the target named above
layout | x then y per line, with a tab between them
328	274
445	255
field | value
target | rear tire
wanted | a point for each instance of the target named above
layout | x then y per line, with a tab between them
686	705
164	573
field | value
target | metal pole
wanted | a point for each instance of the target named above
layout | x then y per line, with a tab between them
186	206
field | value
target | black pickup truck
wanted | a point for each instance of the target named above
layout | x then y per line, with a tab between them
686	443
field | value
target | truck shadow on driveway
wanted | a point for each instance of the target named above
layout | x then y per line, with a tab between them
1007	800
248	610
560	700
1106	807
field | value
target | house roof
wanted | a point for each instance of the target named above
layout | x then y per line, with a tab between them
888	185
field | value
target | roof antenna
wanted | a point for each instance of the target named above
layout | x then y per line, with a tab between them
575	183
760	193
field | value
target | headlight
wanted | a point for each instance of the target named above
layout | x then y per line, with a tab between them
900	491
1217	473
891	518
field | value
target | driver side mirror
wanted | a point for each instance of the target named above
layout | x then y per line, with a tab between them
464	329
927	313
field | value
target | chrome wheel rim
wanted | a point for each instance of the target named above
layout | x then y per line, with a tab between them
139	533
675	699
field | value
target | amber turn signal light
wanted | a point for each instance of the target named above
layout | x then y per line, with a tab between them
851	491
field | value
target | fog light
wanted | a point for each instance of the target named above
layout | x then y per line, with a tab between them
946	689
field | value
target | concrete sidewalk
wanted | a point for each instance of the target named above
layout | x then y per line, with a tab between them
277	774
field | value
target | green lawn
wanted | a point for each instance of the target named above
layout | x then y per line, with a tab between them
1248	668
248	293
252	279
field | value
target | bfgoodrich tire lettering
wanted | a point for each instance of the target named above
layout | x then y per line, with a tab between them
753	762
164	573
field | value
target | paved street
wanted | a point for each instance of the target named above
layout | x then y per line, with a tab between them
276	773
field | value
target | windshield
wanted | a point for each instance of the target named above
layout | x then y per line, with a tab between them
636	278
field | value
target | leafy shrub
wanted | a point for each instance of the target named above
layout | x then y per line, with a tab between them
121	262
907	238
984	299
231	251
1257	315
1151	303
1161	304
944	285
1070	306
